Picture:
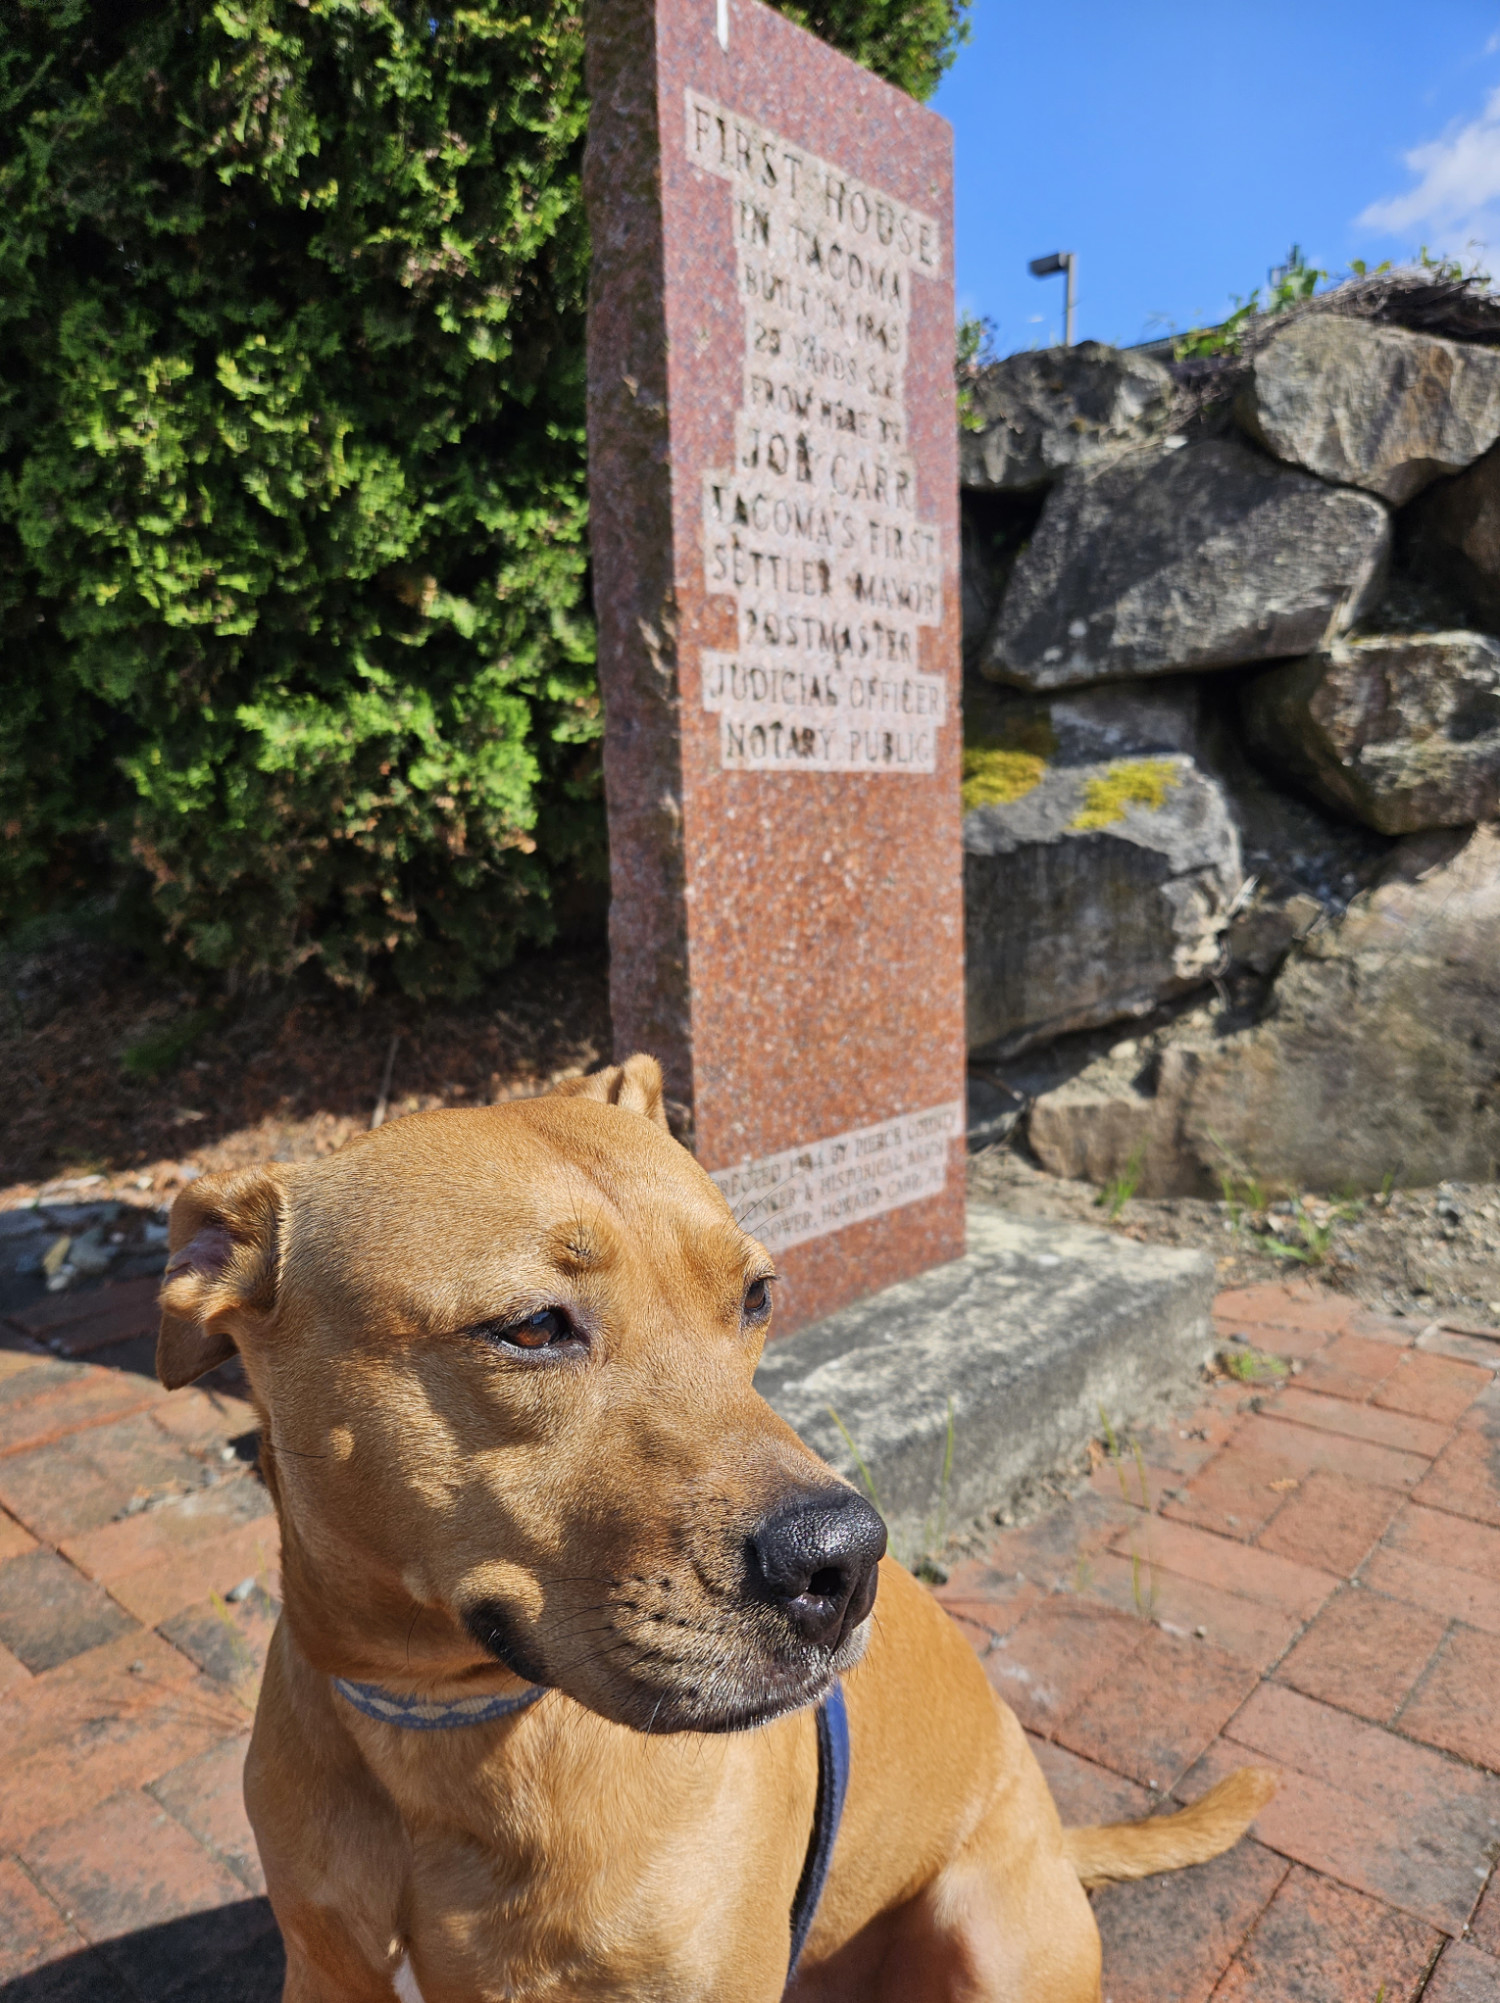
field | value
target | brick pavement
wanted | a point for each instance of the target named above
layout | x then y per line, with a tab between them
137	1568
1301	1571
1304	1573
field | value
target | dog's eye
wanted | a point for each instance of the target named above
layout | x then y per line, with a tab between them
547	1327
757	1303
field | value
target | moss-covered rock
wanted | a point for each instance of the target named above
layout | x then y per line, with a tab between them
1129	782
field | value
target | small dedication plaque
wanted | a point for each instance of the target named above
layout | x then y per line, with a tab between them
814	530
809	1191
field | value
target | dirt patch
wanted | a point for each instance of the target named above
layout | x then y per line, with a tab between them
1413	1251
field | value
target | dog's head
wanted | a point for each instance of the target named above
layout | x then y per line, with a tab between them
503	1360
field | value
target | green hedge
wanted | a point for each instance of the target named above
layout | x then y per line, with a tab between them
293	553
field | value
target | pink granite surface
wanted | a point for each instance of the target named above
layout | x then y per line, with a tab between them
788	942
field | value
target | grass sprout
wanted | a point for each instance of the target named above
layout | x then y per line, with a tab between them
1117	1192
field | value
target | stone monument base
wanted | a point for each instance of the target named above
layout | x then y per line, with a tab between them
1025	1341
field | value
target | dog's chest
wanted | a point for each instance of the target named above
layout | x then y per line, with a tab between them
580	1926
565	1865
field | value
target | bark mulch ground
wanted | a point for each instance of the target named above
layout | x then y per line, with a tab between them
118	1079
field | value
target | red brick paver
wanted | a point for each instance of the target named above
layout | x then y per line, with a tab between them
1432	1387
1364	1805
89	1478
1055	1658
1158	1708
1457	1705
117	1716
125	1864
1465	1478
1373	1422
13	1539
206	1797
112	1314
1464	1975
1318	1940
49	1612
1329	1522
1485	1925
33	1929
136	1884
1250	1630
1254	1574
1352	1366
1363	1652
1309	1579
1171	1938
41	1405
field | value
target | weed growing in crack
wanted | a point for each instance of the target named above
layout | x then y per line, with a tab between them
1117	1192
922	1562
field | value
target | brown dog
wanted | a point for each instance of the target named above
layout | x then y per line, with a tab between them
502	1361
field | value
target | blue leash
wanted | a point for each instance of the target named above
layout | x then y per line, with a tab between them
421	1714
833	1785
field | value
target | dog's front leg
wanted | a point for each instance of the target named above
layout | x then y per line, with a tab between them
982	1932
335	1855
1004	1919
334	1973
986	1932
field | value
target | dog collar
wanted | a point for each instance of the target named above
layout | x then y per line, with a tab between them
426	1714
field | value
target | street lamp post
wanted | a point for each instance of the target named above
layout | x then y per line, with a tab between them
1047	267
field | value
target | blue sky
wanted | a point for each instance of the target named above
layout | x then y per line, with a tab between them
1181	149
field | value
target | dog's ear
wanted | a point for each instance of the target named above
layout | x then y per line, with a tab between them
223	1240
635	1085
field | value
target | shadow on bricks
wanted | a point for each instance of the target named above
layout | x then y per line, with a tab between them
232	1954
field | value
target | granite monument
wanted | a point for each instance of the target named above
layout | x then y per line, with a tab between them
773	499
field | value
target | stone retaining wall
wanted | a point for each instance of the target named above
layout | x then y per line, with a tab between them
1232	735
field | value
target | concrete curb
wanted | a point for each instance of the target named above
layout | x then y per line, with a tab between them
1024	1339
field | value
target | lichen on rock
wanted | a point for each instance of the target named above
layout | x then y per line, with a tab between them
1008	759
996	774
1133	782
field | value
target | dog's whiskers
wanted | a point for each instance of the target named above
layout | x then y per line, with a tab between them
588	1634
742	1217
618	1642
569	1624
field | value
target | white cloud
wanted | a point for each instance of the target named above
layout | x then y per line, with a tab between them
1456	200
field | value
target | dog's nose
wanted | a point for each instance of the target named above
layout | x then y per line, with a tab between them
816	1560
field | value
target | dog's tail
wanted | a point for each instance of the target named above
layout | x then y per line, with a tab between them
1114	1850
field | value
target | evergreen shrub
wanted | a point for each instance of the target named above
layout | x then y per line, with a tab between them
293	534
